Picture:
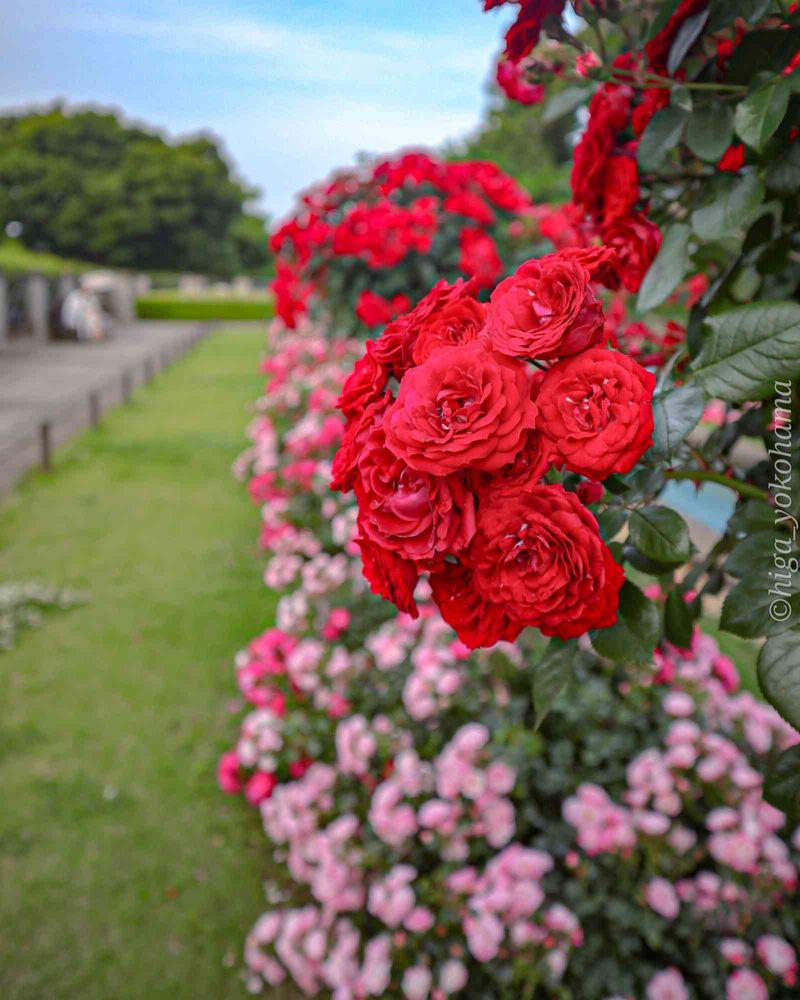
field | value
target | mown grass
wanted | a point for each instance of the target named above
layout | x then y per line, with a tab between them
167	305
18	259
125	872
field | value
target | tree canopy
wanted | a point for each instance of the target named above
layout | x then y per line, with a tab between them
82	183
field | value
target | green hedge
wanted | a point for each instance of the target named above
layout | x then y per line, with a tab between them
212	308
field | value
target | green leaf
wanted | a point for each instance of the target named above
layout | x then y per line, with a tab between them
754	554
748	349
779	674
687	35
551	674
710	131
660	534
783	173
636	632
762	51
782	784
730	212
667	270
751	516
675	413
678	624
746	610
564	102
725	12
662	134
761	112
610	522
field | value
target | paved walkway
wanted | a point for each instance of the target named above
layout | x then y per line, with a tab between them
50	391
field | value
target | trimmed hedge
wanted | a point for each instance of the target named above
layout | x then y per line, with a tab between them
212	308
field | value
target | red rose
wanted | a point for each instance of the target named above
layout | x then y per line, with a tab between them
476	621
596	409
621	186
547	309
732	159
527	469
374	310
345	463
365	384
465	407
524	32
637	240
539	555
390	576
453	317
479	258
419	516
512	79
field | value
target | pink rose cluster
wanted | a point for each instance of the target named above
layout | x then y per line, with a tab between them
395	774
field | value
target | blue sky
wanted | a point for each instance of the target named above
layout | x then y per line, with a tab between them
294	88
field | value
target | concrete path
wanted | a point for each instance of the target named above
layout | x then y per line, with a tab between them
50	391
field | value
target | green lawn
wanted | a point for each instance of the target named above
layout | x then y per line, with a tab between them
124	872
224	308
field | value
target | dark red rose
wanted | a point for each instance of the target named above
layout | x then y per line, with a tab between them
477	622
636	240
419	516
621	183
524	32
466	407
479	258
547	309
658	48
389	575
608	116
364	385
600	262
596	409
654	99
455	318
345	463
539	555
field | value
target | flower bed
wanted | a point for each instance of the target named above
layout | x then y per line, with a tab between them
434	841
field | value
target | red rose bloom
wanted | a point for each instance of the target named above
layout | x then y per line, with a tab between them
637	240
524	32
547	309
465	407
732	159
477	622
539	555
527	469
374	310
479	258
419	516
621	183
344	467
389	576
455	318
364	385
596	409
512	80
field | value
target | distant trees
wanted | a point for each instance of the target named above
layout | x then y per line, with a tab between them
84	184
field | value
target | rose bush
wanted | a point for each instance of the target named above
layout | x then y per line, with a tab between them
433	841
688	167
366	245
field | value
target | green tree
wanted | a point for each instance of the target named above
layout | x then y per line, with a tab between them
83	184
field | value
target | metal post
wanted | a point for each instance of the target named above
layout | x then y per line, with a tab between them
94	409
45	445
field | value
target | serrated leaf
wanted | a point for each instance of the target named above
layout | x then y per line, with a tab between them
687	35
662	134
750	517
611	521
636	632
753	554
710	130
779	674
761	112
551	674
564	102
782	784
667	270
660	534
748	349
731	210
675	413
678	623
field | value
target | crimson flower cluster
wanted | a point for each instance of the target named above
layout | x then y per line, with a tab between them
456	414
384	215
